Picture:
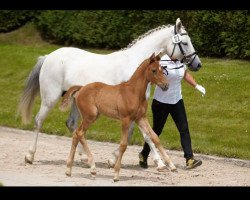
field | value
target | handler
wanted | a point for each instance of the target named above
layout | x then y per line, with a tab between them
171	102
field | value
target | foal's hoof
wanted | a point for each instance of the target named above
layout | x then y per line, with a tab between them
116	179
93	172
68	173
111	163
29	159
172	168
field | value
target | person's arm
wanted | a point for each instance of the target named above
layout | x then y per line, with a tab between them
190	80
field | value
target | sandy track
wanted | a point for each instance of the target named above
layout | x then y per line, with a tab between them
49	166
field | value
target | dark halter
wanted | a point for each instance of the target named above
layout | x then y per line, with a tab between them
186	58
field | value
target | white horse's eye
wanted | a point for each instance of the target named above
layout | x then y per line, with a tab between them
185	43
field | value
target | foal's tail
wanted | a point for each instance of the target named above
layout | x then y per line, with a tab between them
68	98
31	89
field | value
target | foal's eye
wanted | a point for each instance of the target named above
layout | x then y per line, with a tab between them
154	71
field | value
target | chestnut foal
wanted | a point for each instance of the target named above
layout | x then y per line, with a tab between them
125	102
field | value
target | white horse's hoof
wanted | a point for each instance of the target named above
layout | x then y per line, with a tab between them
111	163
162	168
29	158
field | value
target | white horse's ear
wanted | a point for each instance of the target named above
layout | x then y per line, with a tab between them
178	25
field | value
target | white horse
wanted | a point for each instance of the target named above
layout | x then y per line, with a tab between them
56	72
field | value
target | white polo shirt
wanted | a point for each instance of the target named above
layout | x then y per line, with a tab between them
175	71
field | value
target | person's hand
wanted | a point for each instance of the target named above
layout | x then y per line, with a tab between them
201	89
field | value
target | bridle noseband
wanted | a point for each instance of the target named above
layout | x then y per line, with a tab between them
177	39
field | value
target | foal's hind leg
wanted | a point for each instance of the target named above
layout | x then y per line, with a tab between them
90	161
71	124
112	161
70	160
79	136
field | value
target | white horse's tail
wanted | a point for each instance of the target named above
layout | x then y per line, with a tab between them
31	89
68	98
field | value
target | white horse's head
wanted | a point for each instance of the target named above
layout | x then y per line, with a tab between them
181	47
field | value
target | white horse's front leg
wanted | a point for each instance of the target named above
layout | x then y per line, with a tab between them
156	157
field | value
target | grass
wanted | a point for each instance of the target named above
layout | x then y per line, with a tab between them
218	122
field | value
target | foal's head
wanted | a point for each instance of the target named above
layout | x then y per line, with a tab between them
154	72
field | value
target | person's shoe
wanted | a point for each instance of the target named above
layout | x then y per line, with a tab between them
192	163
142	161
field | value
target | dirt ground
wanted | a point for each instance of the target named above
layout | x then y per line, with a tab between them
49	166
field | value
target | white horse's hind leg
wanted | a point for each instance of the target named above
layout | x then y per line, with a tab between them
46	106
71	122
40	117
112	161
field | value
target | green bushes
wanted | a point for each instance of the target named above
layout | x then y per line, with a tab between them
221	33
214	33
12	19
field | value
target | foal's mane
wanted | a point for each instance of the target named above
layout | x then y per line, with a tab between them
140	66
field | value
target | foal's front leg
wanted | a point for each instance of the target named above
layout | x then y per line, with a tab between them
112	161
122	148
146	128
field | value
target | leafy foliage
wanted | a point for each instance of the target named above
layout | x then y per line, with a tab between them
12	19
214	33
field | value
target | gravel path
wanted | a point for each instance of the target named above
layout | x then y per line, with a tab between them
49	166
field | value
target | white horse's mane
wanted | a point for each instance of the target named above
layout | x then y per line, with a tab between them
146	34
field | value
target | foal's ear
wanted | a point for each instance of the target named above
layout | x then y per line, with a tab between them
158	57
178	25
152	58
